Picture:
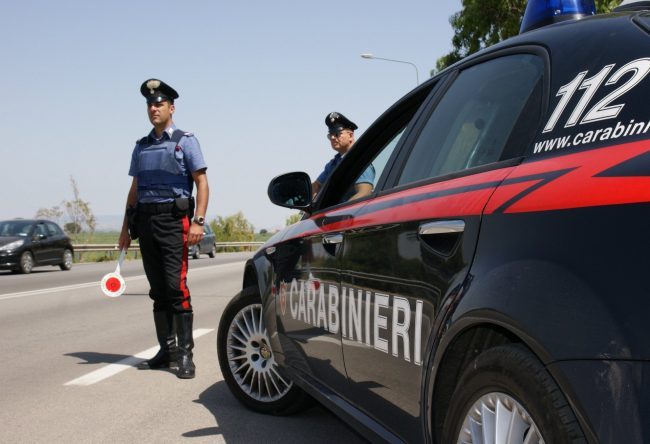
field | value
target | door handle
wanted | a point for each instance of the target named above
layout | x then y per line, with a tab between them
442	236
442	227
332	239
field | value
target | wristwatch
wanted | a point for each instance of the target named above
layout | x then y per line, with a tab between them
199	220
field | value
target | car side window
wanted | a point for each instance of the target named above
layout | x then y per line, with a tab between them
473	123
40	230
370	162
24	229
53	229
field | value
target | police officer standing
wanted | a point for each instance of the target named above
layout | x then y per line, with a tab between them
165	165
341	136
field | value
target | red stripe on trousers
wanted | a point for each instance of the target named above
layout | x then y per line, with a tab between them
184	289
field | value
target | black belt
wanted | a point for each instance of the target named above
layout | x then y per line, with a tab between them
156	208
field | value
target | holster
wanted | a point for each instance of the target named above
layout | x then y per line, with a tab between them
184	206
132	220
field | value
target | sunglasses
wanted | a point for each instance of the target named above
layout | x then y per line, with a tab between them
335	134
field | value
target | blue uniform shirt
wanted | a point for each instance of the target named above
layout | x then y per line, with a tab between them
368	176
329	167
164	169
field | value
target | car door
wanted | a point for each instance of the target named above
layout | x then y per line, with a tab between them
41	243
408	251
306	272
307	265
58	239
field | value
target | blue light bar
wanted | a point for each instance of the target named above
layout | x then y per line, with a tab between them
544	12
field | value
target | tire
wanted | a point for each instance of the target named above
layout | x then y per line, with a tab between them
213	251
66	263
514	382
242	346
26	262
196	252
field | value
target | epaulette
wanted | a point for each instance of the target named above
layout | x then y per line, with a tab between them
176	136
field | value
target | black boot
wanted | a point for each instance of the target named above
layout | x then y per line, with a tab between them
166	356
183	321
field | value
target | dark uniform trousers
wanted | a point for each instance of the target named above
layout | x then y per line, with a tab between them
163	244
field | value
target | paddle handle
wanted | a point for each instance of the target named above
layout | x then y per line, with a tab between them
120	260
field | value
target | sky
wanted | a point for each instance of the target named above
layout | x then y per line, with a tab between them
256	80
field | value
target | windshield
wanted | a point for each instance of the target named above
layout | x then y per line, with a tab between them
15	228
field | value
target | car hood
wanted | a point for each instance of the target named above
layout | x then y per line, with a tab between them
4	240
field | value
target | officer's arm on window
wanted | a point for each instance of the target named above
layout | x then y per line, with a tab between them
364	183
361	190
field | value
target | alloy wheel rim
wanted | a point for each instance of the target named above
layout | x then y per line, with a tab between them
500	419
67	258
250	358
26	262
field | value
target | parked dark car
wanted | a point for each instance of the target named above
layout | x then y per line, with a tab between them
25	244
494	286
207	244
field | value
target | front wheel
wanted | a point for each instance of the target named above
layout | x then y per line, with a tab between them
506	396
196	252
26	262
247	362
213	251
66	262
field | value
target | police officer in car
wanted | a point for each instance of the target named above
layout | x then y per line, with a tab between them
165	166
341	136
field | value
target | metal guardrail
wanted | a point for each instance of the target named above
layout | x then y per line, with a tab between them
111	249
237	244
102	247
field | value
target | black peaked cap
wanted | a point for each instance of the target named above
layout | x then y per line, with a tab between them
156	91
336	120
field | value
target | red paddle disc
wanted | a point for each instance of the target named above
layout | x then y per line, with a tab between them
113	285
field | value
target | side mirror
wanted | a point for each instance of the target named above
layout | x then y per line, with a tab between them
291	190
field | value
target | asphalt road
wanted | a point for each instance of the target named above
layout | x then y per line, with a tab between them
68	353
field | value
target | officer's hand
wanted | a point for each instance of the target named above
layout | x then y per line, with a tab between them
195	235
125	240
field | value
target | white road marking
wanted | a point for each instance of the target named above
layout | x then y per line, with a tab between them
229	264
120	366
23	294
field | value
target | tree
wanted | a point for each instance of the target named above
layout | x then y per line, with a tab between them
482	23
54	214
233	228
290	220
72	228
78	212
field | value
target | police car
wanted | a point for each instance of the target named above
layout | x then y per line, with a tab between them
495	287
